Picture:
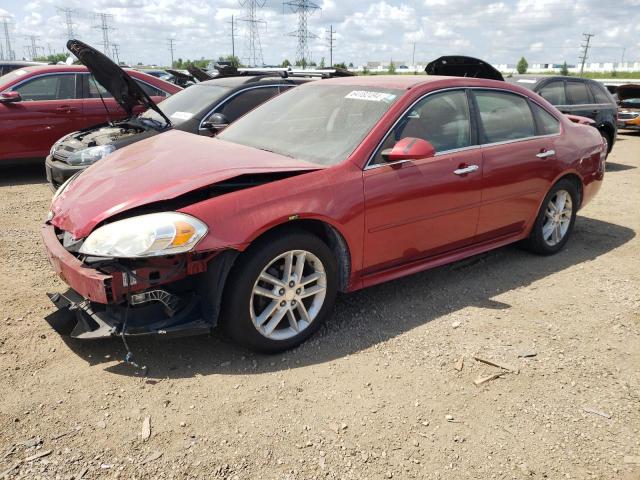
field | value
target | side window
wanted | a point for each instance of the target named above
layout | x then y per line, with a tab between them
599	93
577	93
442	119
554	93
49	87
245	101
547	123
95	89
505	116
151	91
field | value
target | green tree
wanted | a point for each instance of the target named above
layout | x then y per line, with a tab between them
565	69
350	64
286	63
302	63
340	65
522	66
322	65
365	70
55	58
233	60
392	68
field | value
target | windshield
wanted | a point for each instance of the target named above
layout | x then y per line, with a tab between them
317	123
12	75
185	104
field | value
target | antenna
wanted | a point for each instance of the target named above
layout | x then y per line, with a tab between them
171	42
254	47
583	58
68	20
331	44
304	8
8	51
103	25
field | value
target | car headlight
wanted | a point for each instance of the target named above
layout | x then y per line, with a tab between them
90	155
148	235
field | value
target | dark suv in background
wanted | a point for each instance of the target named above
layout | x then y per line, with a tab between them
576	96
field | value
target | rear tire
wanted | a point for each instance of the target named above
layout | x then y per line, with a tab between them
555	220
279	292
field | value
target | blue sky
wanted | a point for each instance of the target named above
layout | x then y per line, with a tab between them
498	31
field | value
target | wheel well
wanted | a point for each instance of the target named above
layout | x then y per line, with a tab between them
608	130
328	234
576	180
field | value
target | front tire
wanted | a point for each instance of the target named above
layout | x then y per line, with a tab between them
555	220
280	291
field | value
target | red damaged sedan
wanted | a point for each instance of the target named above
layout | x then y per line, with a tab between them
334	186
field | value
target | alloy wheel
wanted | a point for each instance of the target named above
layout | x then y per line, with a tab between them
288	295
557	218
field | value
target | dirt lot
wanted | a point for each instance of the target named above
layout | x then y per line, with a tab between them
375	395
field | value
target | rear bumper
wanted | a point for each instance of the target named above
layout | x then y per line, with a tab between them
88	282
59	172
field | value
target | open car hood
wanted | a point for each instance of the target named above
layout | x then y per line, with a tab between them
199	74
461	66
176	166
630	90
117	82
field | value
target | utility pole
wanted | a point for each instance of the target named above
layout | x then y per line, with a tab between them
585	50
68	20
171	42
9	53
331	45
103	25
304	8
413	57
233	37
254	47
116	52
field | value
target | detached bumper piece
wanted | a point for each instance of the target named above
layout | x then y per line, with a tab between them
151	313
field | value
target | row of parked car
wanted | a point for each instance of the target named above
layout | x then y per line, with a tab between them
201	214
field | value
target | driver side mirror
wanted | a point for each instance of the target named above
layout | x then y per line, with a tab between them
216	122
409	148
10	97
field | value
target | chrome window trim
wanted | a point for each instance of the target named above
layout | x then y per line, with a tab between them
48	74
222	102
369	165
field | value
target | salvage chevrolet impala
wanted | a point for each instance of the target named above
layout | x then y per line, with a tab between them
333	186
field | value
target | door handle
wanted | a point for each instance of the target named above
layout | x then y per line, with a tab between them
545	154
465	170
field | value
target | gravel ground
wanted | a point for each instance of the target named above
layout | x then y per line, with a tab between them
380	392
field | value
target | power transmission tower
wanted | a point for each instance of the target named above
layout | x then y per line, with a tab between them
68	20
585	50
103	24
171	42
33	47
254	47
116	52
304	8
233	37
9	53
331	44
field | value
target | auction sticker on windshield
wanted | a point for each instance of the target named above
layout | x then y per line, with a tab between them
370	96
182	115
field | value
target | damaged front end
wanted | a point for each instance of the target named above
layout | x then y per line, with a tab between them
168	295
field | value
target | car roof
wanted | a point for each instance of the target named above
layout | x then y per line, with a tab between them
407	82
242	80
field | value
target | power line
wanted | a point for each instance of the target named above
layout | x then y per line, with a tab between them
8	51
171	42
331	40
304	8
33	47
585	46
103	25
69	13
116	52
254	47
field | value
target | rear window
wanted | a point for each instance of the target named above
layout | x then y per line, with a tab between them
505	116
577	93
599	93
553	93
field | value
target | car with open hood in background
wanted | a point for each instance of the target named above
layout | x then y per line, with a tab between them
628	106
40	104
205	108
333	186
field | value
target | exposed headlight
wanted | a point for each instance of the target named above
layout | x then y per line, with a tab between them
90	155
149	235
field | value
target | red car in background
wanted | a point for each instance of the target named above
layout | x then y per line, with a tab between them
332	186
38	105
